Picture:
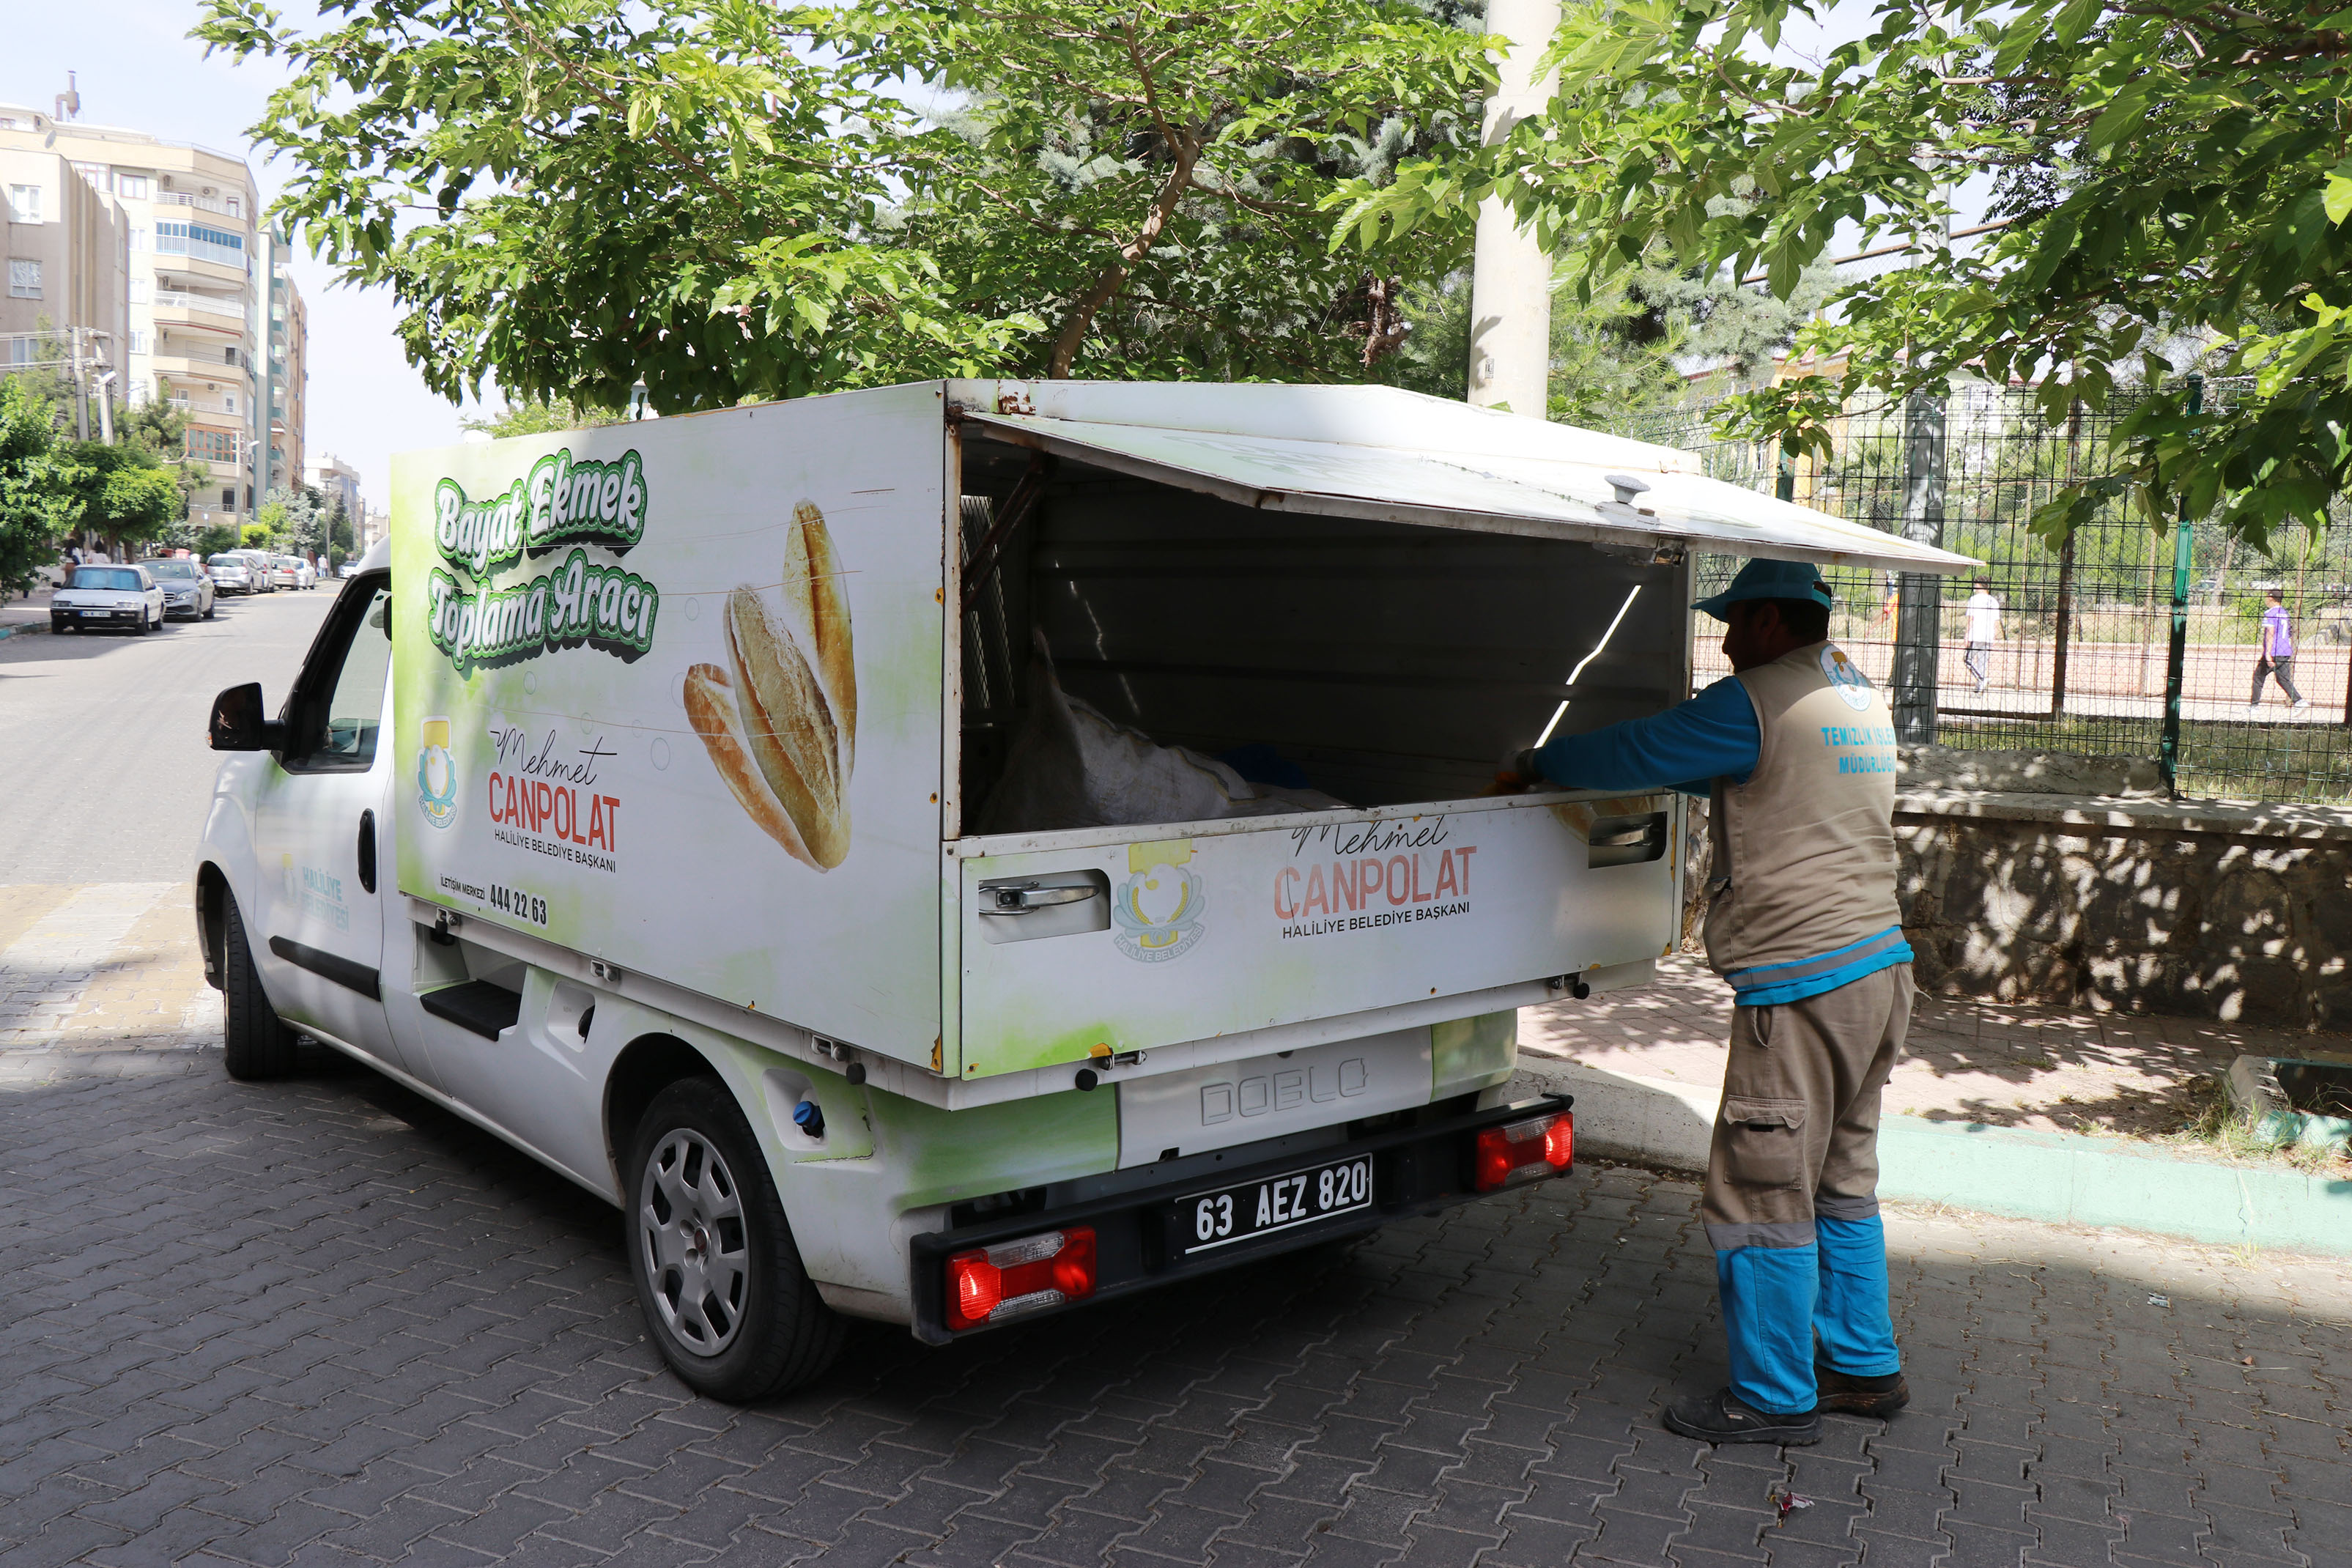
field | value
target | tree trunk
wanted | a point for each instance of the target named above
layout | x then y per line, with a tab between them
1113	277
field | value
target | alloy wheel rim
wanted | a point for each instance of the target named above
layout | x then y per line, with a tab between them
696	1249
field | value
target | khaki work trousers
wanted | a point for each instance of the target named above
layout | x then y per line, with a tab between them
1798	1133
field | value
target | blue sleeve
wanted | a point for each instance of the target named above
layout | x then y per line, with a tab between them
1713	735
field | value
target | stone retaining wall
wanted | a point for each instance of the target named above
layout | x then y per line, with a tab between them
2031	877
2239	913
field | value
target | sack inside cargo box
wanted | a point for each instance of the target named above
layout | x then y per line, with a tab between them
1310	660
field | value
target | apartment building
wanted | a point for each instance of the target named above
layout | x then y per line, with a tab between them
67	253
335	479
209	320
287	383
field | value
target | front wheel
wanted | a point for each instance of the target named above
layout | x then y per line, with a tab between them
717	1274
258	1045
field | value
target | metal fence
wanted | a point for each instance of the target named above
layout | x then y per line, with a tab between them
2069	649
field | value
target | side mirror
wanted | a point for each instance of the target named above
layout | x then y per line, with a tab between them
240	725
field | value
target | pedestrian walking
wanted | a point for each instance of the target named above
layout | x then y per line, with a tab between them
1984	630
1796	753
2275	656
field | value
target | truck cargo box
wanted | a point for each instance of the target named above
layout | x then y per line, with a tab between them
722	702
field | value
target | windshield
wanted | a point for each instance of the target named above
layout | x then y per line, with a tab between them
170	569
125	578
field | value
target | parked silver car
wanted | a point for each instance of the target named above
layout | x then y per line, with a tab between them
187	590
232	572
264	576
116	598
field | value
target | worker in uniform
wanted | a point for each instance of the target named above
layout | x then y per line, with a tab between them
1796	755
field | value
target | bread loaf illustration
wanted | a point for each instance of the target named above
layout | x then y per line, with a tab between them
780	723
710	708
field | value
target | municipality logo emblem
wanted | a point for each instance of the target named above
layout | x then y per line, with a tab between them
1157	908
1846	678
437	775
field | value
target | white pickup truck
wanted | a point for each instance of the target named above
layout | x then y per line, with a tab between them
961	851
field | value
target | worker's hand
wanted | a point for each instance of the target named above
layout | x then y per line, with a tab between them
1516	774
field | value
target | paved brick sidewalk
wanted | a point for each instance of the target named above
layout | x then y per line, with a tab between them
96	976
320	1323
2009	1064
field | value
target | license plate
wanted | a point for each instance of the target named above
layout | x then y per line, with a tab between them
1207	1221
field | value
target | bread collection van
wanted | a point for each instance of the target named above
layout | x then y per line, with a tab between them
962	851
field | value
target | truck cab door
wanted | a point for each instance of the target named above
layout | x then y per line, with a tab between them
320	839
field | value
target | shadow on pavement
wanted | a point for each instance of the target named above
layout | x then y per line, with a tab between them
289	1319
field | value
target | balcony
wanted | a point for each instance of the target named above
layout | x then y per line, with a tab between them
202	243
203	204
172	360
202	310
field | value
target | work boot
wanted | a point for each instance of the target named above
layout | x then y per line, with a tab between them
1850	1394
1721	1417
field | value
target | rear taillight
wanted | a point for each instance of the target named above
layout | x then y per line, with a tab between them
1522	1150
994	1283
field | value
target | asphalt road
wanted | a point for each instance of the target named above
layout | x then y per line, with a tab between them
110	773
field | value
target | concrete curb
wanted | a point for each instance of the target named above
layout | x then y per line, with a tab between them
2064	1178
22	628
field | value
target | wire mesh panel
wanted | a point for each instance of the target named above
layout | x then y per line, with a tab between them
2064	649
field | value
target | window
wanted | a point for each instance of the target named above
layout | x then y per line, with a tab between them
94	173
24	279
24	350
228	355
139	291
204	243
25	203
343	701
236	206
141	392
228	403
139	339
136	236
131	186
229	499
208	445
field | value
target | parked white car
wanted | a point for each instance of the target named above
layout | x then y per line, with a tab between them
264	578
284	572
107	598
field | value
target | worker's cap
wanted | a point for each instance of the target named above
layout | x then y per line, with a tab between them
1762	579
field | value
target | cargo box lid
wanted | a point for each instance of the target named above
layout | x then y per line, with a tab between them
1403	457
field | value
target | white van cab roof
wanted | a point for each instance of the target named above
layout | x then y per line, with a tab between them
1402	456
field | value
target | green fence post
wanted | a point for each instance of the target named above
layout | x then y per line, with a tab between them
1785	486
2176	657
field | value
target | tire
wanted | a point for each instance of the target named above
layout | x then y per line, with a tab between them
258	1045
703	1210
143	628
210	608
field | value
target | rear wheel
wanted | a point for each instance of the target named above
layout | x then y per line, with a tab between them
717	1274
208	612
259	1045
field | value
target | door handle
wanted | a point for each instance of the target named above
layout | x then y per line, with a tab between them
367	850
1027	898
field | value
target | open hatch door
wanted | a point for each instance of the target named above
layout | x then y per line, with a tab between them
1381	453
